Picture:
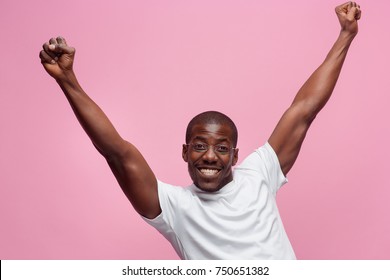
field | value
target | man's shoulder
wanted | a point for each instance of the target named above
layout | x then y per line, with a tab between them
170	189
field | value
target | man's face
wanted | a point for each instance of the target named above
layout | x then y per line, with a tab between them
210	156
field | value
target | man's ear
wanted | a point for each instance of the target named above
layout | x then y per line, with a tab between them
184	152
235	157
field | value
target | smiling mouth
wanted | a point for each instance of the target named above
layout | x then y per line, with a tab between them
209	171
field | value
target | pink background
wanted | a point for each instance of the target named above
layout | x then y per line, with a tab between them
152	65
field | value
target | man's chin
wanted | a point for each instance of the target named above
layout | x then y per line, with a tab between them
208	187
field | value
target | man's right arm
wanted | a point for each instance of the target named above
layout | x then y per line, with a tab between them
131	170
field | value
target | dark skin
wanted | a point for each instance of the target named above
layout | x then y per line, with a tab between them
216	167
131	170
288	136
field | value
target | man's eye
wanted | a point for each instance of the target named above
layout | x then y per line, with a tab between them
222	149
200	147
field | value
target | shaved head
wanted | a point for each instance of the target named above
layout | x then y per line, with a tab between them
212	117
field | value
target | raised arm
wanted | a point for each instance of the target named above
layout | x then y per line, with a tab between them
128	165
291	130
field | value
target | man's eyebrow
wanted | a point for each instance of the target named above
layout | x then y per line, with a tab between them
222	139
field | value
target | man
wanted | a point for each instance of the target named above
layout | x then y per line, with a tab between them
223	214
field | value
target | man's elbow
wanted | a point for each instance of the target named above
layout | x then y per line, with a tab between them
306	110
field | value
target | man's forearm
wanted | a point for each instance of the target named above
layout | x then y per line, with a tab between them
319	87
93	120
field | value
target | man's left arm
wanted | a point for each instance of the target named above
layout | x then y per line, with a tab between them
291	130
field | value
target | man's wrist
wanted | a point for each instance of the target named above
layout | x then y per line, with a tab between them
68	80
347	35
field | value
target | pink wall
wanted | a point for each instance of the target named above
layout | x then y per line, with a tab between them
152	65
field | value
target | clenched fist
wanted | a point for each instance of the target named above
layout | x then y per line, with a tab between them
349	13
57	58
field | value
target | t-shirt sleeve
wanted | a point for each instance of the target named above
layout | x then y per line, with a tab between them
169	196
265	161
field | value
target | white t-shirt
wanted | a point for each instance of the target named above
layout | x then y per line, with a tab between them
240	221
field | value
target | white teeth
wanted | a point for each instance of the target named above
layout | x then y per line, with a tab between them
209	172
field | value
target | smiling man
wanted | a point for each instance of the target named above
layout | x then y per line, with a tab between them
211	168
224	214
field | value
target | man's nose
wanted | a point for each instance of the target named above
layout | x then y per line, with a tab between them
210	155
